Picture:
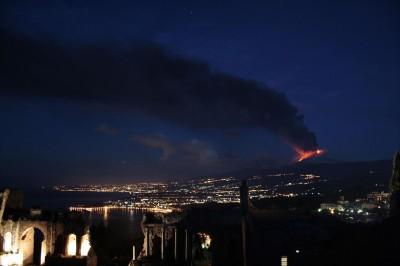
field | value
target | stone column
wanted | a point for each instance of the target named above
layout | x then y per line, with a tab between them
394	186
176	243
244	241
50	241
17	237
4	200
162	242
78	245
148	253
186	244
244	206
188	247
43	252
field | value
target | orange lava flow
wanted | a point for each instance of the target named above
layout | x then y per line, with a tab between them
304	155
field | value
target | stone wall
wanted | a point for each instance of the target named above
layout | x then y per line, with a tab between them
21	226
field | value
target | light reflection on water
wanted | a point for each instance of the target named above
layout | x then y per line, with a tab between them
126	220
123	224
104	214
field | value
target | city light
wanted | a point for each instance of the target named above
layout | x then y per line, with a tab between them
166	197
205	240
373	208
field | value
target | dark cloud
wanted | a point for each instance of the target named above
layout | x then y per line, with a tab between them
198	151
232	134
150	80
106	129
193	151
157	142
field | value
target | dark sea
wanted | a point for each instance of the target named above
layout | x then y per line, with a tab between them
55	200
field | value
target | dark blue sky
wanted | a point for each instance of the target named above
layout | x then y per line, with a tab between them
336	61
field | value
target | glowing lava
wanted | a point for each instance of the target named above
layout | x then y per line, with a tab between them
304	155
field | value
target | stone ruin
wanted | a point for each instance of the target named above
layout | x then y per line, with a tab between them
202	235
37	237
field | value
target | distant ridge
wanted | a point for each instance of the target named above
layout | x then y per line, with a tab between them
332	169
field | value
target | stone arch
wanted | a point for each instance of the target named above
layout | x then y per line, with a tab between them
40	225
33	245
7	242
85	245
71	245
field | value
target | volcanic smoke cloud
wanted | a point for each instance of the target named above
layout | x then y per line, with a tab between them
148	79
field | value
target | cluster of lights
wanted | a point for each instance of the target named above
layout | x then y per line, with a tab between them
166	197
105	209
205	240
372	208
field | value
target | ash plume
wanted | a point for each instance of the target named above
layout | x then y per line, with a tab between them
150	80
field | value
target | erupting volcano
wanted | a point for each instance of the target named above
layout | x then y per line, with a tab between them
304	154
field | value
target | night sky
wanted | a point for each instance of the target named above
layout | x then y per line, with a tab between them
116	91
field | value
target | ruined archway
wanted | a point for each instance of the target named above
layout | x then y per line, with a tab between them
85	245
32	244
7	242
71	245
